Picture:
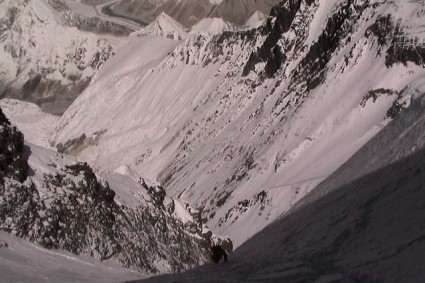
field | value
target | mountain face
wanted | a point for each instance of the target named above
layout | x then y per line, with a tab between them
45	59
190	12
59	203
242	125
362	224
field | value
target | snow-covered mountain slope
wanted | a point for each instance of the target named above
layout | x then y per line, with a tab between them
164	26
190	12
243	124
23	261
362	224
212	25
36	125
59	203
42	59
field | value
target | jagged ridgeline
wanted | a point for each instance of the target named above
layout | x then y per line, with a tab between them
73	210
387	30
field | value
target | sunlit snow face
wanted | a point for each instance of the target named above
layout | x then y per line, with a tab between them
216	2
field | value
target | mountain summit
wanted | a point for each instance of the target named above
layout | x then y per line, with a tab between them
165	26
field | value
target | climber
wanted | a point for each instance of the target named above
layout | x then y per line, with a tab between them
217	252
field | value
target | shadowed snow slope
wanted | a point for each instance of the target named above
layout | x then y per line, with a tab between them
362	224
242	125
22	261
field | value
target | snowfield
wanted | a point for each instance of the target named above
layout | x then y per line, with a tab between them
23	261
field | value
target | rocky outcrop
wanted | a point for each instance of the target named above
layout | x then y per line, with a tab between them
281	18
13	164
72	209
399	47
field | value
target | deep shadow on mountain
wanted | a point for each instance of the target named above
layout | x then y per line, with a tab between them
370	230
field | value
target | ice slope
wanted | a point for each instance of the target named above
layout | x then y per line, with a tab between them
243	125
23	261
362	224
